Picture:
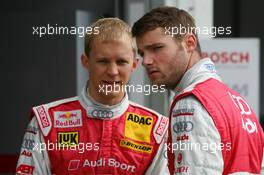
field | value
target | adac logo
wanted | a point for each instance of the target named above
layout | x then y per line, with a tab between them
67	119
144	120
68	138
138	127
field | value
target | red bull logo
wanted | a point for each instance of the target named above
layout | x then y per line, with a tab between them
68	115
67	119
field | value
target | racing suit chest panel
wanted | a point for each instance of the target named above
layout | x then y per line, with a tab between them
237	125
123	145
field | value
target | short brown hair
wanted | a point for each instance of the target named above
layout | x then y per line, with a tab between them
165	17
109	29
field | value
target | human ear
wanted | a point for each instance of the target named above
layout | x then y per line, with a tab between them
190	41
135	63
85	61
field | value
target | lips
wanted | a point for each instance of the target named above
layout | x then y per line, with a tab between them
112	82
152	72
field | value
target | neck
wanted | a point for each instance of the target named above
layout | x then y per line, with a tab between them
195	57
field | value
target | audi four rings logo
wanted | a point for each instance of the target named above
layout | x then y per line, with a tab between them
102	113
185	126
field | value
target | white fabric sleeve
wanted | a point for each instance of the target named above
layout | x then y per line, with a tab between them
33	159
195	139
159	165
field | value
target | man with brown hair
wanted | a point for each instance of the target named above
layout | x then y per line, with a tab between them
97	132
212	129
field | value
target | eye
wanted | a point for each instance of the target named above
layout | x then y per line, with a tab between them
156	48
102	61
122	61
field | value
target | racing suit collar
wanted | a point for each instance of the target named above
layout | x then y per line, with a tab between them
201	71
95	109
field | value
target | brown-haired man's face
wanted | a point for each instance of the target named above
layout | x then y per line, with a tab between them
165	60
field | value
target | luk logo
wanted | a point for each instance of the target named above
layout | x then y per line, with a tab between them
68	138
184	126
67	119
138	127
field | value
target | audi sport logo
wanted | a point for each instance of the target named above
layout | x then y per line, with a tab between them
102	113
184	126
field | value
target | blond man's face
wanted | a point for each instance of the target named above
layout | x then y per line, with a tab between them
110	63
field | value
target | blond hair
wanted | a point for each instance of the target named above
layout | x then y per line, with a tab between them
109	29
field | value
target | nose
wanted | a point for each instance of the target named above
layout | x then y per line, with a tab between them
147	59
112	69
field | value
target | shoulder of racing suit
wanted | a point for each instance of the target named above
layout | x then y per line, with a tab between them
41	113
161	126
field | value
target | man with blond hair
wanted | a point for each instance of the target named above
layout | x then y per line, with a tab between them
212	129
97	132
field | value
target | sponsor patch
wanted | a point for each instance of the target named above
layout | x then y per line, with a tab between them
162	126
73	165
179	158
32	129
182	137
210	67
28	144
25	169
102	113
135	146
181	169
101	162
183	126
182	112
68	138
43	116
138	127
67	119
26	153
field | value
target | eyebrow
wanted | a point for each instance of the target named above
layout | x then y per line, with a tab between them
152	45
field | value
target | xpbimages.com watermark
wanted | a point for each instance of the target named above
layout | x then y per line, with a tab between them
64	30
211	31
190	146
146	89
80	147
